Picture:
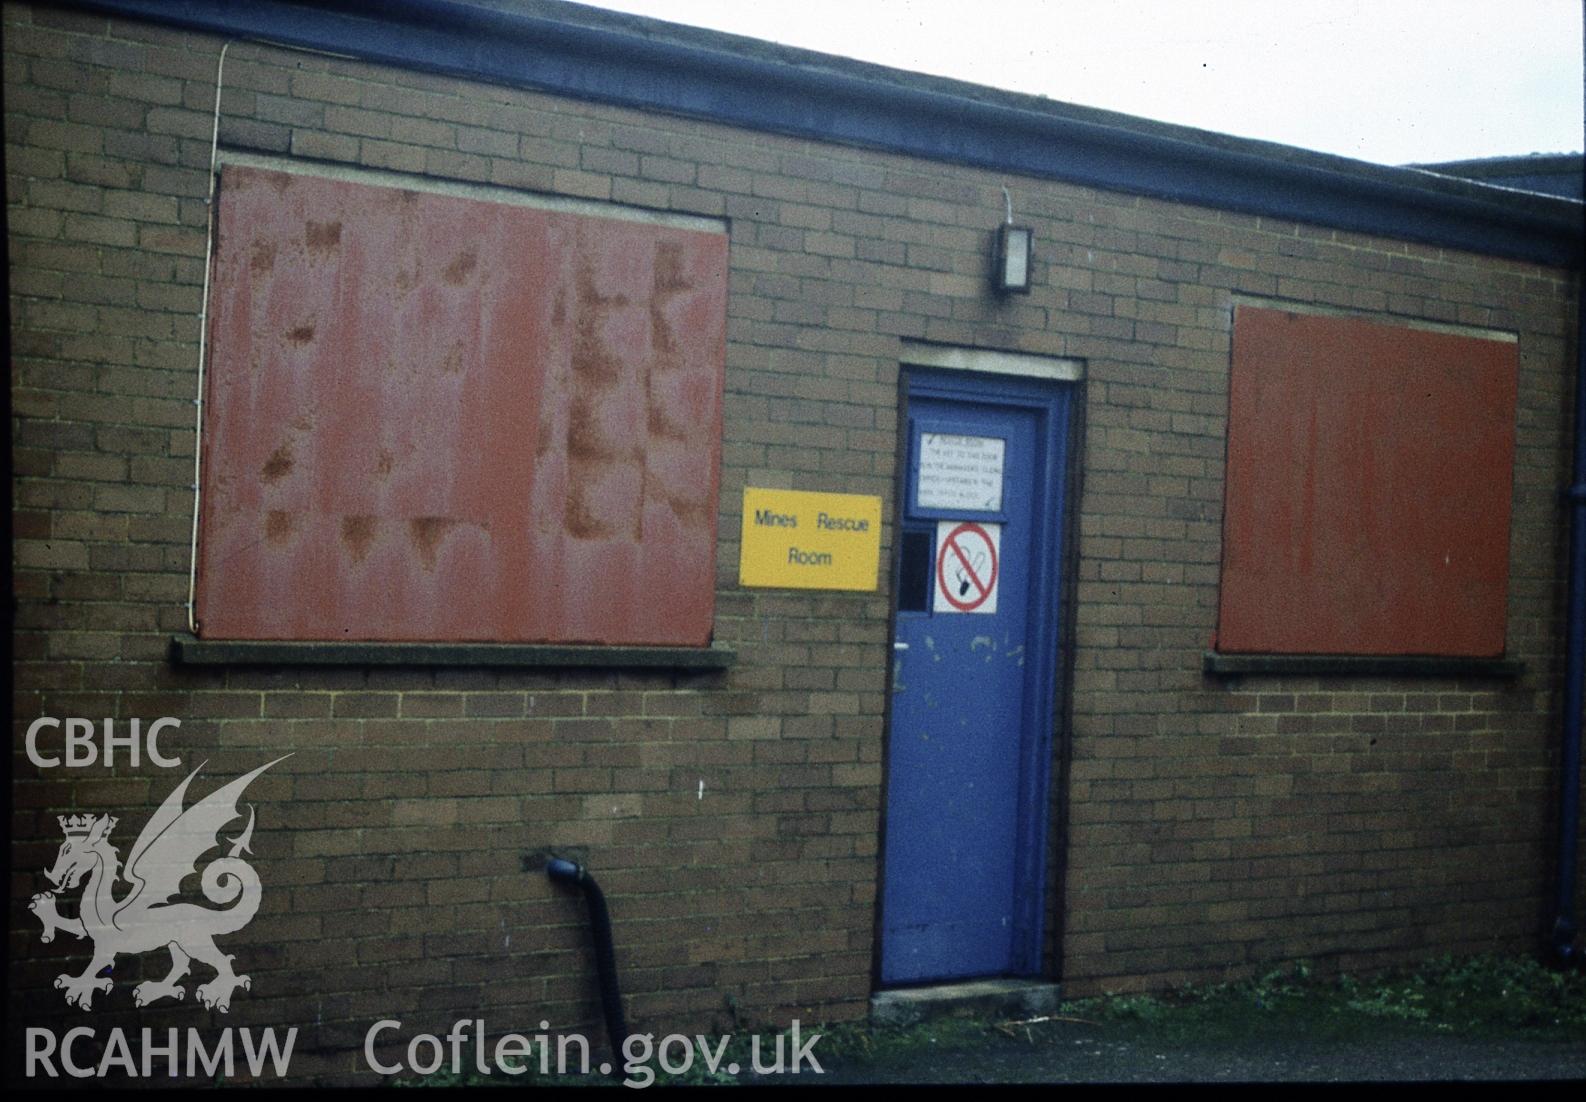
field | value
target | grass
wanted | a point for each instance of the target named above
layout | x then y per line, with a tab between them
1485	996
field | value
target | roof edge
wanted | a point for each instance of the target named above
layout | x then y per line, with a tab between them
758	86
1504	163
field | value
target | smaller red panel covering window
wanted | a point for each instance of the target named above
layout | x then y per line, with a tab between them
1369	478
439	418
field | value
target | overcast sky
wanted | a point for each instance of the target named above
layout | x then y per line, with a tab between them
1391	81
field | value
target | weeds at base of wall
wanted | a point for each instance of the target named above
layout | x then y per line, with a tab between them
1486	996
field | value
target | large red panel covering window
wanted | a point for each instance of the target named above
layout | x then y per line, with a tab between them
1369	479
438	417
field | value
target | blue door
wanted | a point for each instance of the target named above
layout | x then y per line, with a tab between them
974	665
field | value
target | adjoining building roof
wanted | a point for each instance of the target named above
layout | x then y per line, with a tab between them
1545	173
641	63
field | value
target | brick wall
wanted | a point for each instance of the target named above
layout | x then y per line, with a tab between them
1211	827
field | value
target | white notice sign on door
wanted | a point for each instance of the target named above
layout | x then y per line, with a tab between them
960	472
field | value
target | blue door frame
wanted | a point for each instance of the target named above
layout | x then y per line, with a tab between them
972	696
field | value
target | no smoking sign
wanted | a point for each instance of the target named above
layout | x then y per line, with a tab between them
967	565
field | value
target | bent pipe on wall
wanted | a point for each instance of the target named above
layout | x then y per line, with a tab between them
1564	929
563	871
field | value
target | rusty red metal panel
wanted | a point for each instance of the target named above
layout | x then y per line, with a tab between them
1370	471
436	417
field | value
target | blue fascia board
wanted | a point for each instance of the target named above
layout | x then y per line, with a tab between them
770	93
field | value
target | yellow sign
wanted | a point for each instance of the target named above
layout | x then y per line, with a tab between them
798	540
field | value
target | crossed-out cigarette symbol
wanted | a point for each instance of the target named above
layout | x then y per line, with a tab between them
969	558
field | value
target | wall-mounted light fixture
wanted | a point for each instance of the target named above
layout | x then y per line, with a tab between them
1011	272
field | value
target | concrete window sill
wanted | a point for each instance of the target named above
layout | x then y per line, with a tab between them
189	650
1329	665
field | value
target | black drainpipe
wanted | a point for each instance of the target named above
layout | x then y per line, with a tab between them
1564	929
563	871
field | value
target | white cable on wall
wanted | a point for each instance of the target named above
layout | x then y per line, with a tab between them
203	345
